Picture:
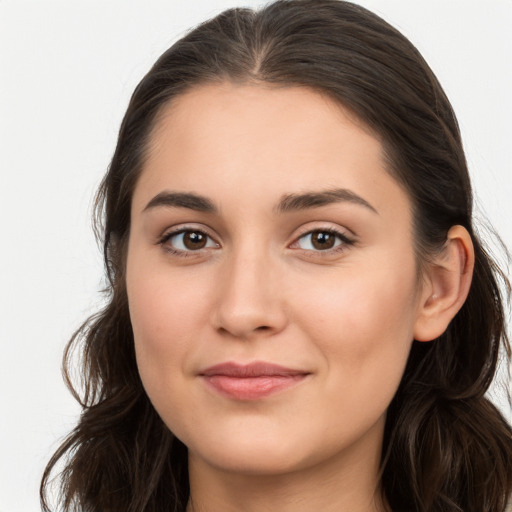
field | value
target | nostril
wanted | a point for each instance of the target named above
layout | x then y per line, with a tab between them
260	329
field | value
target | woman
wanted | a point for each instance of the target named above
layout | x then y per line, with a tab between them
301	315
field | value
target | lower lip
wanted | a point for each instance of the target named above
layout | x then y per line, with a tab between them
252	388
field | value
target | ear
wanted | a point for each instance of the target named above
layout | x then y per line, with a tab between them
446	285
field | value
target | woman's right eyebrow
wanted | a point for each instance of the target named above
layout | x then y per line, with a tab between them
182	200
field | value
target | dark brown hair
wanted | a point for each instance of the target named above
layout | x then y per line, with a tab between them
446	447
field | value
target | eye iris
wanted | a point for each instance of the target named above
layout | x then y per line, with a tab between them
322	240
193	240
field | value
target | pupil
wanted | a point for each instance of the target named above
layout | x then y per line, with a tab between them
323	240
194	240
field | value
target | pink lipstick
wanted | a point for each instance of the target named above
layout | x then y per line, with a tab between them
253	381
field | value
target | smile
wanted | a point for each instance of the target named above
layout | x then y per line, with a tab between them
251	382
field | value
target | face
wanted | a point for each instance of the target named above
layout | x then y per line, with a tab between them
271	279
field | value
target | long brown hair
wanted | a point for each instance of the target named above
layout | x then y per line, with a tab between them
446	447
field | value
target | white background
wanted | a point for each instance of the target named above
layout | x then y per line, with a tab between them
67	69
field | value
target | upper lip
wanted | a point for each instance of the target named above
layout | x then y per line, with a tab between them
255	369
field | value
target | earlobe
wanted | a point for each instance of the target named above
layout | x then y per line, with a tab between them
447	282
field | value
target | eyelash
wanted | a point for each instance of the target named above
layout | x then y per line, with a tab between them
345	242
179	252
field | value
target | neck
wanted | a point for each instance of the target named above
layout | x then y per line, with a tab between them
348	483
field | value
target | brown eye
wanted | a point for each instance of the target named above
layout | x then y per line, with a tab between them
322	240
194	240
188	240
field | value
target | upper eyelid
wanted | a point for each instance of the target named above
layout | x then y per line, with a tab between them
308	228
343	237
175	230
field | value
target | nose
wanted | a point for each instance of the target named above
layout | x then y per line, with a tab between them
250	301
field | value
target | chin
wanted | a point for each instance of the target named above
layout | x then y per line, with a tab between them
250	455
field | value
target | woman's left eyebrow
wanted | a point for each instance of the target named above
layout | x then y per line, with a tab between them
306	200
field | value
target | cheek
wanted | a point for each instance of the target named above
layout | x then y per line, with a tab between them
361	305
165	317
166	312
363	323
164	304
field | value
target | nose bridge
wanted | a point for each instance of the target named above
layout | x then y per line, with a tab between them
249	298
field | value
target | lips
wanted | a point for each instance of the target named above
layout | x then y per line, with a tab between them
253	381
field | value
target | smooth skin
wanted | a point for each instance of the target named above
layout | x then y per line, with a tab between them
249	271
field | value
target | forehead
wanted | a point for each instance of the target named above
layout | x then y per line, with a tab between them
259	111
262	142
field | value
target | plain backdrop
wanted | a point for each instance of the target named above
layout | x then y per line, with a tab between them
67	69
